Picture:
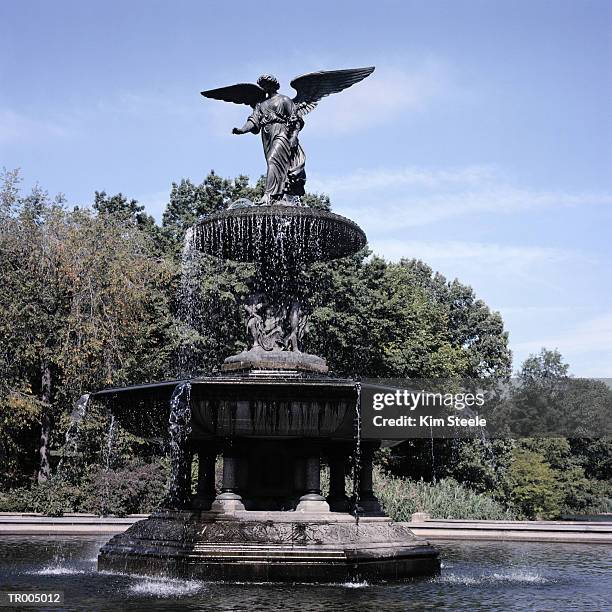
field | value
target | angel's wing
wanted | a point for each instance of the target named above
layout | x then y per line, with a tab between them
316	85
242	93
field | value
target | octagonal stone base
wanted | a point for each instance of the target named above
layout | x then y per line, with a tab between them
270	547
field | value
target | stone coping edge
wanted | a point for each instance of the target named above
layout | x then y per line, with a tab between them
524	531
515	531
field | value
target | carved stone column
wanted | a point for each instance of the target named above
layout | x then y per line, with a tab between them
229	500
312	500
368	502
337	499
299	477
205	492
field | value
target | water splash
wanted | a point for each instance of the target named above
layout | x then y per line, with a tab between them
58	570
71	443
516	576
433	455
58	567
112	428
161	588
179	428
189	306
357	453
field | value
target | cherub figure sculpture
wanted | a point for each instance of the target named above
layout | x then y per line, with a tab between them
266	333
280	119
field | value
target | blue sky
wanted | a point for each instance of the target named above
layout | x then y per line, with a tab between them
482	144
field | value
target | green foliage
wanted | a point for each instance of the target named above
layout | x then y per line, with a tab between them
594	455
374	318
119	207
578	494
19	425
90	297
480	464
135	488
189	201
84	304
533	486
445	499
52	497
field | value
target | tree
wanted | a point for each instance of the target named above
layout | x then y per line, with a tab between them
594	455
374	318
533	486
189	201
546	407
96	297
121	208
82	306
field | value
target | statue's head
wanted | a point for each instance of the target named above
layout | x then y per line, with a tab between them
268	83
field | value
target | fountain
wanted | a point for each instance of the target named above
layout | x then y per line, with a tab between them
273	413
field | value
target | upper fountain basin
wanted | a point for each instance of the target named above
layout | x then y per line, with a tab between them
269	406
290	233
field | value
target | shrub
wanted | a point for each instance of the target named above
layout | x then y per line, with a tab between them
534	488
583	496
135	488
446	499
53	498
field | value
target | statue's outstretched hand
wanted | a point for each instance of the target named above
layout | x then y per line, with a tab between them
237	131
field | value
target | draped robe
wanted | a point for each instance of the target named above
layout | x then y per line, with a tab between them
279	124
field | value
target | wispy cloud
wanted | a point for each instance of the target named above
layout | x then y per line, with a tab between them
381	97
378	99
411	176
496	256
143	103
20	128
592	335
417	196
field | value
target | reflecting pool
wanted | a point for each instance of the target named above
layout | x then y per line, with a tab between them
475	576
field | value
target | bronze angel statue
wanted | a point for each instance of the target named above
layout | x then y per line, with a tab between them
279	118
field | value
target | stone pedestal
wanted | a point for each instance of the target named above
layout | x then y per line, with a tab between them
312	500
229	501
257	359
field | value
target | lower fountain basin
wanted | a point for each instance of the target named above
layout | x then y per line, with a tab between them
269	547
